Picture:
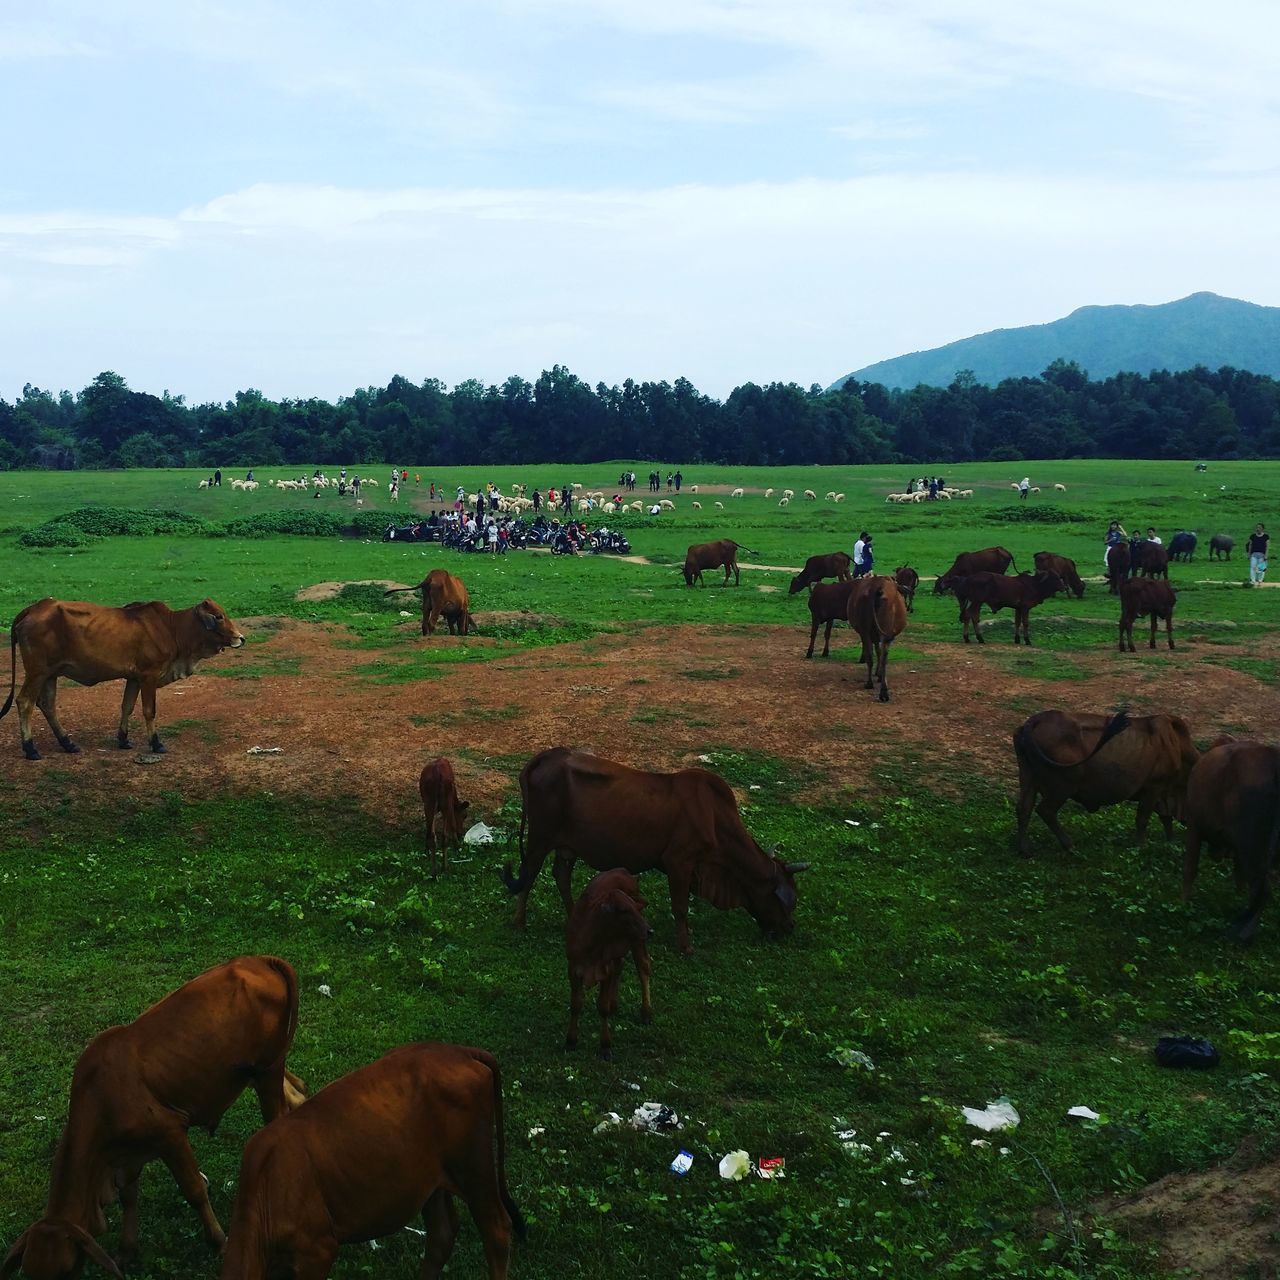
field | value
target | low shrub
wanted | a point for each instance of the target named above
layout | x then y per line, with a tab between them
302	523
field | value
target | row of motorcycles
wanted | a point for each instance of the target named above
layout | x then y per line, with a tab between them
571	538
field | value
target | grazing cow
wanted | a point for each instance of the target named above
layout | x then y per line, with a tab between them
146	645
376	1149
1021	594
443	596
1182	546
834	564
878	614
908	580
439	794
1152	559
1220	546
1061	757
829	603
1117	566
1233	806
605	926
685	824
1140	597
712	555
1065	568
136	1091
989	560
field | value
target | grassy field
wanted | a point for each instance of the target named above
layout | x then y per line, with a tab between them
960	971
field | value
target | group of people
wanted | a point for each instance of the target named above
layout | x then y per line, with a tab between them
863	555
674	480
1256	549
933	485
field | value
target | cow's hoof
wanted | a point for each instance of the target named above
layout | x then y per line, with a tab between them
68	746
29	750
605	1053
646	1017
157	747
570	1045
884	695
122	741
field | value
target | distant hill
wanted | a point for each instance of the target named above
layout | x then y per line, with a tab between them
1202	329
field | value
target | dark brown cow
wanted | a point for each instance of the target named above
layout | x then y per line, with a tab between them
685	824
829	603
1233	806
1020	593
908	581
443	596
136	1091
833	565
1152	560
1118	558
1140	597
879	615
1065	568
146	645
712	555
439	793
605	926
988	560
1097	761
1220	546
369	1154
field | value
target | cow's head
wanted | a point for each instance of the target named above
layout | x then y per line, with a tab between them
690	571
222	631
773	903
54	1249
943	583
798	584
1048	583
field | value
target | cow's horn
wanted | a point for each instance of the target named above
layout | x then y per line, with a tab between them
793	867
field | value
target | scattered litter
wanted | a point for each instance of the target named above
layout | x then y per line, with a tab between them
42	1117
755	786
479	834
325	990
1006	1151
612	1119
772	1167
735	1166
1186	1051
1084	1113
147	757
417	1231
680	1165
635	1088
853	1058
655	1117
374	1244
849	822
994	1117
979	1142
404	613
707	759
265	751
537	1131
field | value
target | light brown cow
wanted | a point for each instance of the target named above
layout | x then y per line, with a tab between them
712	555
439	793
369	1154
443	596
878	614
835	564
146	645
605	926
136	1091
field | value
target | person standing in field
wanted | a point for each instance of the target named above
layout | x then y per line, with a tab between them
1115	535
860	554
1024	488
537	502
1257	549
217	478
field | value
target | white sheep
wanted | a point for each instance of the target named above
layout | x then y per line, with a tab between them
637	506
788	493
839	497
576	486
204	484
375	485
697	506
1061	488
667	505
610	508
1015	485
768	493
737	493
1035	489
810	496
719	506
782	502
693	488
829	496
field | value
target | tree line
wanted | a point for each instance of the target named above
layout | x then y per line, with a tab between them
1227	413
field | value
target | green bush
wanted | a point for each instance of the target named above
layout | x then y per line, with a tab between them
56	533
85	524
304	523
372	524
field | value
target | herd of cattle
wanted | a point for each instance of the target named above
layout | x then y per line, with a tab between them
405	1135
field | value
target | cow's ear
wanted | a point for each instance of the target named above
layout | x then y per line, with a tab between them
786	894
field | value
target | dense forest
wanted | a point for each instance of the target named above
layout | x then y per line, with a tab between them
1227	413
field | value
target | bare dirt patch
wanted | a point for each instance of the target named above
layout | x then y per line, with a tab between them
319	592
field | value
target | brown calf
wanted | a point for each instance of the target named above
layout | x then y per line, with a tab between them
443	596
833	565
369	1154
605	926
988	560
829	603
879	615
439	794
136	1091
1118	558
1065	568
712	555
1021	594
908	580
1140	597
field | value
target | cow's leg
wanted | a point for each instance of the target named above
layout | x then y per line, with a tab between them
1145	809
48	704
268	1084
1048	811
813	635
1168	627
1246	924
737	575
975	612
826	640
531	863
1026	802
430	814
577	995
440	1218
562	871
149	715
127	704
28	697
964	620
1190	861
1166	821
644	966
1155	623
128	1252
606	1006
176	1152
678	883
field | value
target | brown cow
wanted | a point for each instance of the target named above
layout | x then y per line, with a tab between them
685	824
877	613
443	596
1065	568
1233	806
908	580
369	1154
1020	593
1140	597
439	793
605	926
1118	558
136	1091
834	564
829	603
1152	560
712	555
1097	761
988	560
146	645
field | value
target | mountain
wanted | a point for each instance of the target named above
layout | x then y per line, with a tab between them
1202	329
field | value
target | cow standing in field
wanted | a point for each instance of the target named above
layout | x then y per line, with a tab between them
147	646
828	603
685	824
988	560
605	926
136	1091
908	581
369	1154
1220	546
1140	598
1182	546
1065	568
1021	594
879	615
1233	806
712	555
439	793
1152	560
833	565
1118	558
1097	761
443	596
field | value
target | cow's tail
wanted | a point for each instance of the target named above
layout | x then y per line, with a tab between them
518	1227
290	979
518	884
1026	744
395	591
13	663
1012	561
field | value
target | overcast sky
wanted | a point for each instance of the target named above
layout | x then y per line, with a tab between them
208	195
